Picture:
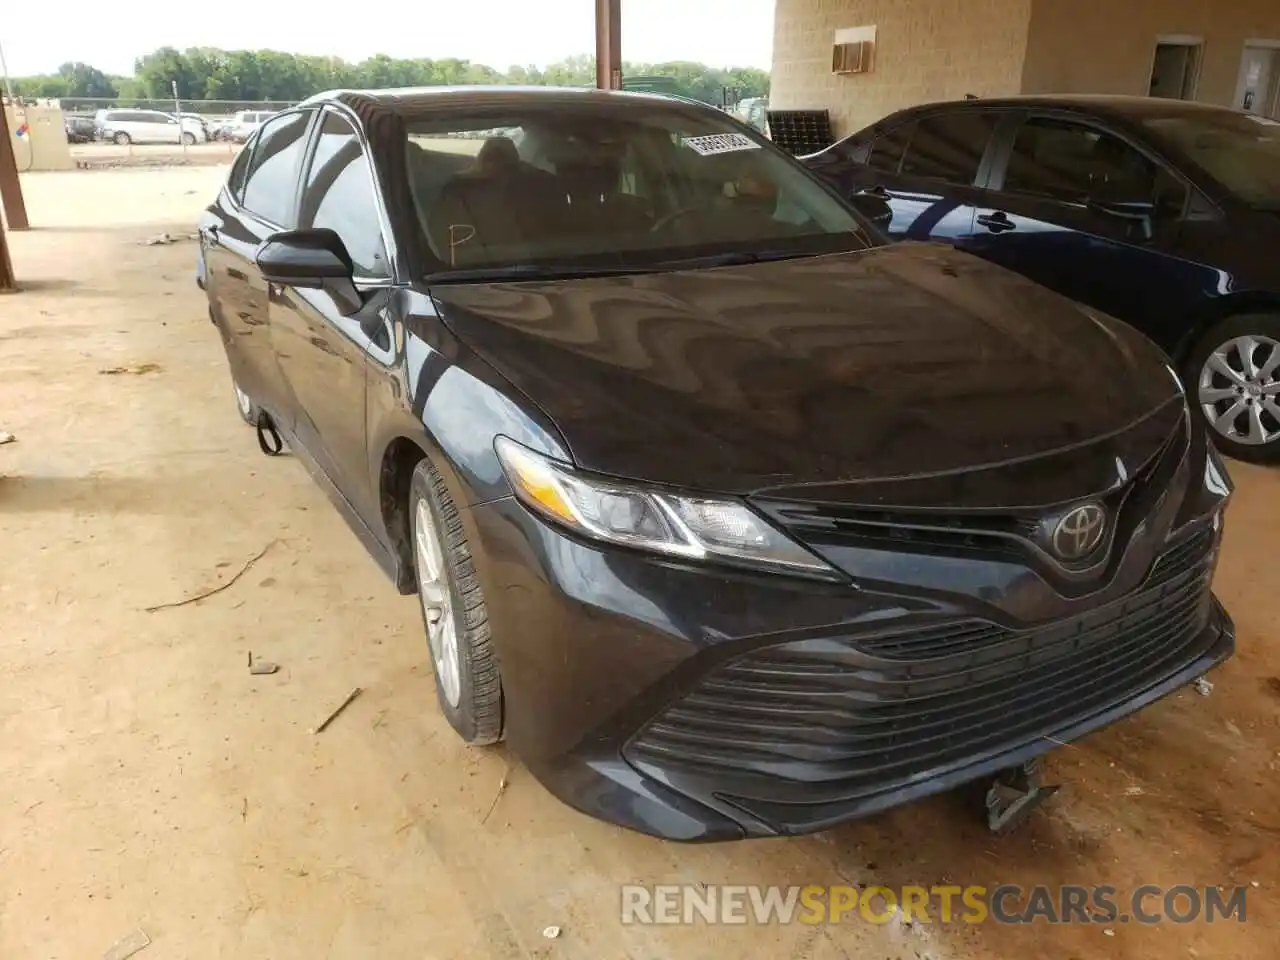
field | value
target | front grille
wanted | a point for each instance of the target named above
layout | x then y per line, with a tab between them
937	533
972	534
851	716
966	636
1183	556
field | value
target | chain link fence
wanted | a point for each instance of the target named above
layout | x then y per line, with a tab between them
212	109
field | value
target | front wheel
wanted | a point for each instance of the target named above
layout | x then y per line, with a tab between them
1233	376
189	139
121	139
468	686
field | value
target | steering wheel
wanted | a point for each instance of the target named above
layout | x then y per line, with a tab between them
667	219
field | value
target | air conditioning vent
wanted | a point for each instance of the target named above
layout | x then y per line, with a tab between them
847	58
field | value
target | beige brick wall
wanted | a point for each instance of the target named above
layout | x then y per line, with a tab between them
1107	46
925	50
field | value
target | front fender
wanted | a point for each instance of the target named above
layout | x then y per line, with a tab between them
443	397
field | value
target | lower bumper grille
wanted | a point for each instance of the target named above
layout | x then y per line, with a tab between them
843	717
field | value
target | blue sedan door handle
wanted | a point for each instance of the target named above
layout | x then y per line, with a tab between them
997	222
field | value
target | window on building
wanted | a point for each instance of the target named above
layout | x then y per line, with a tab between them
949	146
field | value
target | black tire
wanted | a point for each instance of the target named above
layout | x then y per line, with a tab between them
121	139
1266	327
189	139
477	715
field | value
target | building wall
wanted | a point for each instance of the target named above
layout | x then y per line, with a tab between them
1107	46
925	50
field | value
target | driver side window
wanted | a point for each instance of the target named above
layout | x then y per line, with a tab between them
339	195
1072	162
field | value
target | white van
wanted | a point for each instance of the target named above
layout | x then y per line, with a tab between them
148	126
241	126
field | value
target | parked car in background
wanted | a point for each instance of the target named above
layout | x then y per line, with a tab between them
732	518
1162	213
200	119
242	125
80	128
754	111
147	126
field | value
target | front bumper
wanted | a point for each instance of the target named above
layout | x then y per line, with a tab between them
697	704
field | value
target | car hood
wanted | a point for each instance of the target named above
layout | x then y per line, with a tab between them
904	361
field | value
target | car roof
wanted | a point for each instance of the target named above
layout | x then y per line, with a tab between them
415	99
1113	105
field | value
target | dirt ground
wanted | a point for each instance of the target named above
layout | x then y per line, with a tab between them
151	783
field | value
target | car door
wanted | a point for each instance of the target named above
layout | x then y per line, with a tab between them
152	127
244	217
928	168
323	348
1080	208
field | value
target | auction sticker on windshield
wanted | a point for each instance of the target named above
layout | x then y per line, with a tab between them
712	144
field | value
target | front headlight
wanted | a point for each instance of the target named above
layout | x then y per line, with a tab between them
696	528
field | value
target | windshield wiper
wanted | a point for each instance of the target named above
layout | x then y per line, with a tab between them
736	258
533	271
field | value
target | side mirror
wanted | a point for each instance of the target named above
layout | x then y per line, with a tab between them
310	259
876	209
304	258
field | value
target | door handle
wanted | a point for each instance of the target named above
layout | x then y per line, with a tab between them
997	222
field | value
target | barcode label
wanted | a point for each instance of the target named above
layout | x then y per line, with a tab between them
709	146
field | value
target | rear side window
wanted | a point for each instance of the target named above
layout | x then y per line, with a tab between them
273	169
887	151
949	146
235	182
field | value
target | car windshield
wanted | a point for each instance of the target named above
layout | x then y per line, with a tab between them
1240	151
631	186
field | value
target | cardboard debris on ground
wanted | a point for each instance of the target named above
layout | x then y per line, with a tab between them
136	370
169	238
127	946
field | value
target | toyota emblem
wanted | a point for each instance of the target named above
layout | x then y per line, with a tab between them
1078	532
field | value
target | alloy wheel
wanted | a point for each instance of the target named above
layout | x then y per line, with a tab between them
437	604
1240	390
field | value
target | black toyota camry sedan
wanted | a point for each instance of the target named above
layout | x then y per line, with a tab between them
732	519
1163	213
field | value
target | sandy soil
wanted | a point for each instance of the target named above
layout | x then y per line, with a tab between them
151	783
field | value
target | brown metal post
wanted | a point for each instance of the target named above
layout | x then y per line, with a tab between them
609	44
8	282
15	209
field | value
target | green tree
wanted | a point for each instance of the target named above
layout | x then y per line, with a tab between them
83	80
248	76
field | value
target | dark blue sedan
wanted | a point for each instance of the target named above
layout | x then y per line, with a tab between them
1162	213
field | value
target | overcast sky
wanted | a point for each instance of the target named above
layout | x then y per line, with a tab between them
495	32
